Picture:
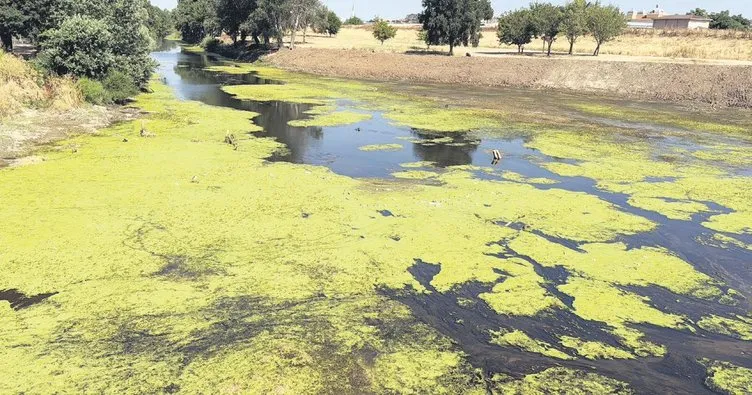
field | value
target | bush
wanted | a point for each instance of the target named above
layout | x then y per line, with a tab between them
80	46
119	86
354	20
93	91
211	44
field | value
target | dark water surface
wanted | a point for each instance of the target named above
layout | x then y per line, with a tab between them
337	149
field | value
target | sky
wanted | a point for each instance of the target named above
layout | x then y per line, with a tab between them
395	9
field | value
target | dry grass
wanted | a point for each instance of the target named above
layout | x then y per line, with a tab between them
704	45
21	87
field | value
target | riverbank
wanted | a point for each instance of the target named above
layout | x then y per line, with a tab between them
717	85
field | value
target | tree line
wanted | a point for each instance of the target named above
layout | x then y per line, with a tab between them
264	21
723	20
572	21
106	42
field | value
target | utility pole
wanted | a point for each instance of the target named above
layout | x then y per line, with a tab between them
353	10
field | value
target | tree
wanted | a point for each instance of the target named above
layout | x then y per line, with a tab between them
196	19
574	24
516	28
452	22
232	13
483	12
12	22
81	46
383	31
159	22
27	18
353	20
547	19
333	23
605	23
699	12
274	18
725	21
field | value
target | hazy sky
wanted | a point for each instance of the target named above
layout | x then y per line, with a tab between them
393	9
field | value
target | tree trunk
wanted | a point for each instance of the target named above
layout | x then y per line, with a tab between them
597	49
550	42
571	47
7	40
519	48
305	29
451	49
294	31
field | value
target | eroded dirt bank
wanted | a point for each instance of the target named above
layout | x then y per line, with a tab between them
719	85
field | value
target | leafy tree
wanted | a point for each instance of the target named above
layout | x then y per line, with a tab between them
725	21
516	28
302	13
26	18
423	37
232	13
12	22
159	22
333	23
547	19
353	20
452	22
699	12
574	24
483	12
605	23
81	46
383	31
196	19
274	17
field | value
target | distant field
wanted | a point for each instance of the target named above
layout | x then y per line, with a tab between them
707	45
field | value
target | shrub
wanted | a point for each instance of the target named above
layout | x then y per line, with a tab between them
354	20
80	46
383	31
92	90
119	86
211	44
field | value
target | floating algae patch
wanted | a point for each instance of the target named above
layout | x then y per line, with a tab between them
730	379
665	118
740	328
614	263
292	93
444	119
381	147
338	118
628	168
521	340
563	381
417	165
595	350
517	177
598	301
415	175
522	292
673	209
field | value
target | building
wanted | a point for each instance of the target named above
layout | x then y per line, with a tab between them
681	22
657	12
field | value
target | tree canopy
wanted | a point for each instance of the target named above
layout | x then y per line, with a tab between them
383	31
547	19
516	28
453	22
605	23
574	24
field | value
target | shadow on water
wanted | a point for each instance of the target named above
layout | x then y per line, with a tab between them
468	325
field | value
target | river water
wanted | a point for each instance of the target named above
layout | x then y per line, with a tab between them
337	149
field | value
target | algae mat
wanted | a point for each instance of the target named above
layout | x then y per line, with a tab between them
179	263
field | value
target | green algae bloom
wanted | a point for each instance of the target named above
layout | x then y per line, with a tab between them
524	342
740	328
563	381
339	118
595	350
415	175
729	379
382	147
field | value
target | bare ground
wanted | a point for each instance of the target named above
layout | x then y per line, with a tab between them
20	133
717	85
